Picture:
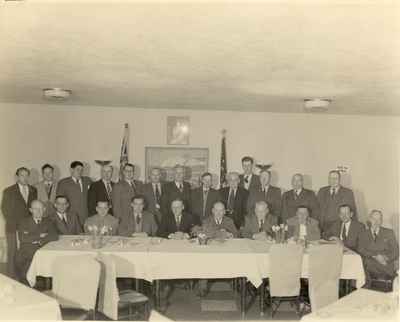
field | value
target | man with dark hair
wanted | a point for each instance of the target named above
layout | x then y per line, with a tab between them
47	188
123	192
76	188
153	192
204	197
101	219
331	197
302	226
139	222
249	180
101	189
15	207
66	222
347	229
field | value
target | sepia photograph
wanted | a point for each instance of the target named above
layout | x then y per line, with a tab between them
191	160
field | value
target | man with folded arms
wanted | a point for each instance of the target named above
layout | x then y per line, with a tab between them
218	225
102	218
258	225
138	223
379	249
33	232
177	224
66	222
302	227
347	229
204	197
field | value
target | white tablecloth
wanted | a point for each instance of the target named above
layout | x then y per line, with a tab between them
172	259
359	305
19	302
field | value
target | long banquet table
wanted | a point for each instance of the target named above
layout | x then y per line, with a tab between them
152	260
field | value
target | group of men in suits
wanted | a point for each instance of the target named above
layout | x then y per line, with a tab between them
248	206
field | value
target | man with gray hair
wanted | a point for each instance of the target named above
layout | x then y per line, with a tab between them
379	249
258	225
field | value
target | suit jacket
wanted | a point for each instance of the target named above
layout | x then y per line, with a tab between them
98	192
313	232
240	206
77	198
197	202
171	192
352	240
122	195
290	202
72	227
127	224
99	222
384	244
329	206
211	228
255	183
168	224
14	207
150	196
44	197
251	225
273	198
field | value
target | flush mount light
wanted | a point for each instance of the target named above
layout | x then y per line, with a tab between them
56	93
316	104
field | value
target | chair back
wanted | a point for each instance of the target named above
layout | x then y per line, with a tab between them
325	267
108	293
76	280
286	262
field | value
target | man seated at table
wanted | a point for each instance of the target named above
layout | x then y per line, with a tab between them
218	225
258	225
101	219
65	222
138	223
347	229
379	249
302	226
33	232
177	224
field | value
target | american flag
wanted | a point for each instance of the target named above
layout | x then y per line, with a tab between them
124	148
223	167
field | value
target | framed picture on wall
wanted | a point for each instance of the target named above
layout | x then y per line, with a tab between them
178	130
195	161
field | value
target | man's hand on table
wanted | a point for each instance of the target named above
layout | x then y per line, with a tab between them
261	236
381	259
43	235
178	235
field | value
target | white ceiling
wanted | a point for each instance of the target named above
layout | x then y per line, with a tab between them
228	55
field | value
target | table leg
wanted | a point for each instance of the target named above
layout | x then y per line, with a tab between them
262	298
157	295
47	283
137	285
243	297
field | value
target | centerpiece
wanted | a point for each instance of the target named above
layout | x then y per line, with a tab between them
98	234
280	233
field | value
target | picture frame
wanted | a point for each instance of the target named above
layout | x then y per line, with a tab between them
178	130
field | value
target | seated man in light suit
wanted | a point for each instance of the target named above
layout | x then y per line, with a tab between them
102	218
138	223
302	226
379	249
218	225
66	222
258	225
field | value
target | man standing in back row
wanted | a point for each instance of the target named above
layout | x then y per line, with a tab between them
101	190
249	180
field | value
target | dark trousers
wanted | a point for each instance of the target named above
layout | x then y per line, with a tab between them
11	254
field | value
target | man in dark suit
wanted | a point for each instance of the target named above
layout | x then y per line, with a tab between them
302	226
218	225
235	199
379	249
249	180
33	232
347	229
178	223
75	188
298	196
139	223
331	197
258	225
101	190
15	207
123	192
65	222
267	193
177	189
153	192
204	197
47	188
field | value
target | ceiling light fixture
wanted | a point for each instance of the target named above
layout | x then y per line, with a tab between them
56	93
316	104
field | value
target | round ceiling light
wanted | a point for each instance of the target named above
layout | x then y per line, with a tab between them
56	93
317	104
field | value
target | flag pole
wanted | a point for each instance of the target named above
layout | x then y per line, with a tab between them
223	164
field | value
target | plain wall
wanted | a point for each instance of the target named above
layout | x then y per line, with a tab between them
312	144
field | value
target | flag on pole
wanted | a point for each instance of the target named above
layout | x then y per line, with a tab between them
223	167
124	148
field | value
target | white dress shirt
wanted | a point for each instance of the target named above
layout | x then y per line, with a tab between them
302	231
247	184
346	227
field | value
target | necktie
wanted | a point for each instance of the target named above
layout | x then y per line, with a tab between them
205	194
38	222
180	186
261	226
333	192
343	233
157	194
375	234
246	179
178	221
79	182
25	193
48	189
231	200
109	190
138	220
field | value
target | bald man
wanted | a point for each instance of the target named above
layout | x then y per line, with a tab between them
101	190
218	225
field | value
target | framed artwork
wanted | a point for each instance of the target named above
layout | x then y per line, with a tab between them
178	130
195	161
